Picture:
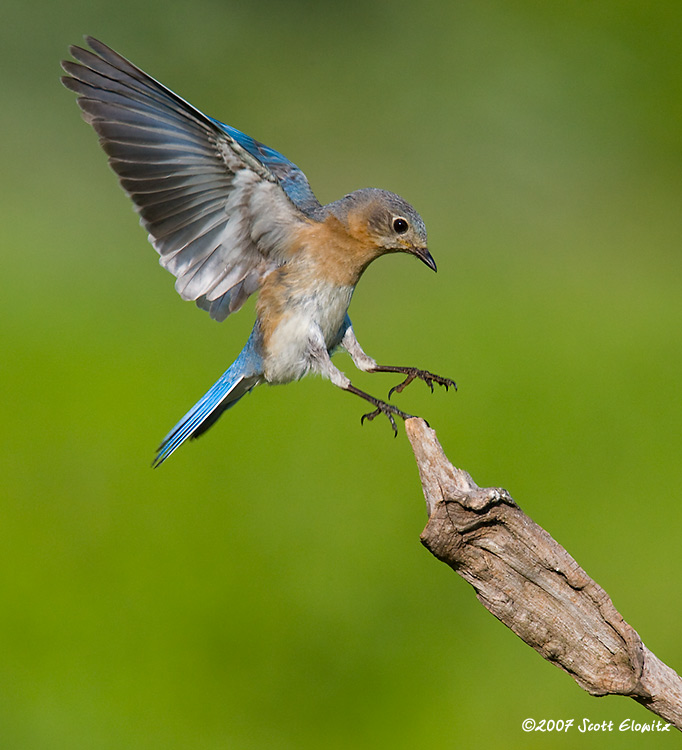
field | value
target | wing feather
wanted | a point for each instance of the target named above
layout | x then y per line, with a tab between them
220	208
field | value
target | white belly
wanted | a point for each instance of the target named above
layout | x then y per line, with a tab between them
288	355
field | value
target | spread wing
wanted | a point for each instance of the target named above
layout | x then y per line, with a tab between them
219	207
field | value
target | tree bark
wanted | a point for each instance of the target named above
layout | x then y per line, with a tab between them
533	586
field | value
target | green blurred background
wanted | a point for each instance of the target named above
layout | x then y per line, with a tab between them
266	588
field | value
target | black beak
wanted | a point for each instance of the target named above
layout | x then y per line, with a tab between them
425	257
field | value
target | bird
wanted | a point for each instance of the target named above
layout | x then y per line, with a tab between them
230	216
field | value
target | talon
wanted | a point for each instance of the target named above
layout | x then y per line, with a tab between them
381	408
370	415
412	373
401	386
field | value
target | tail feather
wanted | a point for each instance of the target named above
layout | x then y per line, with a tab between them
224	394
243	375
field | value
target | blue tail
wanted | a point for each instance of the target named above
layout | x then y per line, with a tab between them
244	374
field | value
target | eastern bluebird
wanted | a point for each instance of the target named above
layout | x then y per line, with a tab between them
230	216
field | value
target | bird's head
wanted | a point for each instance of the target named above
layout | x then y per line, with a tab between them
389	223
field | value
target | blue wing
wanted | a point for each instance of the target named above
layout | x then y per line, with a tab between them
290	177
219	207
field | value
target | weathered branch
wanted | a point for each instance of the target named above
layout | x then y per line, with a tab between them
532	585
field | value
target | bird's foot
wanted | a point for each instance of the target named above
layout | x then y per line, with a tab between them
388	410
414	373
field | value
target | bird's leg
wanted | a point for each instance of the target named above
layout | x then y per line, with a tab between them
381	408
414	373
323	364
365	363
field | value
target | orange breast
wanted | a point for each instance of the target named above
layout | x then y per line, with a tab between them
336	253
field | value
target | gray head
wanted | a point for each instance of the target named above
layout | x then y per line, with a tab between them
385	220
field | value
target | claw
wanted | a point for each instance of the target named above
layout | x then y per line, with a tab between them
382	407
412	373
401	386
388	411
369	417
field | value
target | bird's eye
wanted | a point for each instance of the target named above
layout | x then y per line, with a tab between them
400	225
